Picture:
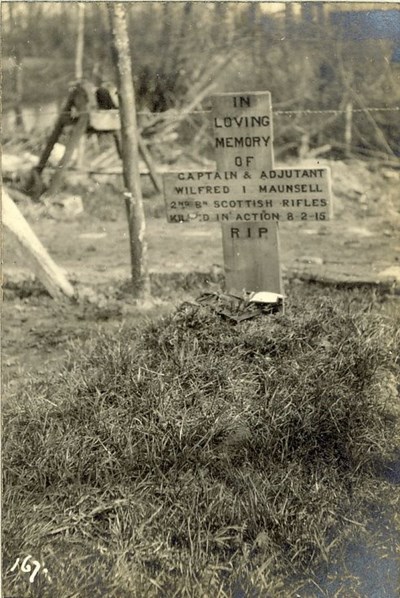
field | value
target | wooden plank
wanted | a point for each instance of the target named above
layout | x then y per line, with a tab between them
243	215
251	258
280	195
272	184
242	124
42	265
104	120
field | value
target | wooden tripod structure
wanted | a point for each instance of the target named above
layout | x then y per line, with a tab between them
88	109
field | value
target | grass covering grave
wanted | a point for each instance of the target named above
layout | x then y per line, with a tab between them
187	454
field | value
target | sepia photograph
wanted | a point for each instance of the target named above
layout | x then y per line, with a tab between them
200	322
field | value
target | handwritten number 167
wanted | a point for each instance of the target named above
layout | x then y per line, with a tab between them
27	568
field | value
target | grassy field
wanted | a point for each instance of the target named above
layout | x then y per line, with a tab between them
186	456
171	453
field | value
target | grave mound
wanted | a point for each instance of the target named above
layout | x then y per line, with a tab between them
219	444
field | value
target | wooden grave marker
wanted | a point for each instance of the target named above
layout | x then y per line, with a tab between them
247	194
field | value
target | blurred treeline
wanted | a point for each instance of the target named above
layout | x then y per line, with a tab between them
183	51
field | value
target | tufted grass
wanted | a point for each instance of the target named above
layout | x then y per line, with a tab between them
191	457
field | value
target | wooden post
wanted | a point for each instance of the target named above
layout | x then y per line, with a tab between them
145	153
77	133
130	151
251	250
79	99
46	270
251	257
35	186
63	119
348	128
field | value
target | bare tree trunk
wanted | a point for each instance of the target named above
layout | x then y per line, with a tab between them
18	72
186	17
130	151
348	128
255	34
98	16
165	37
19	88
80	42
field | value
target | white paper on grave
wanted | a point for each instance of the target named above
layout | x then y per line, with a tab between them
266	297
